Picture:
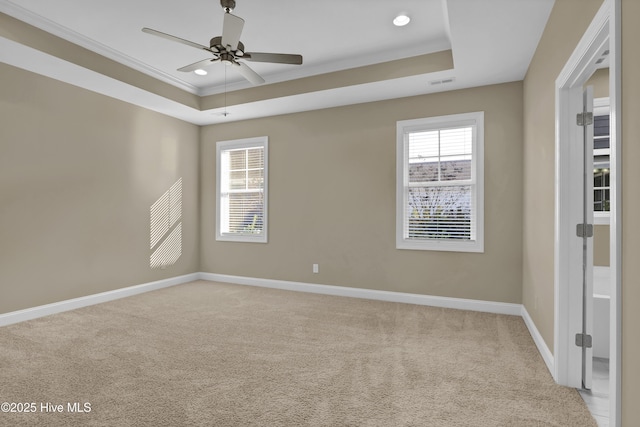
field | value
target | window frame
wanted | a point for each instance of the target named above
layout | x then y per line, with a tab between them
255	142
404	128
601	108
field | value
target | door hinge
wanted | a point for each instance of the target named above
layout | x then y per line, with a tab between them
584	119
584	230
583	340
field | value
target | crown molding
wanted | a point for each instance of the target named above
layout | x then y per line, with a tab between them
76	38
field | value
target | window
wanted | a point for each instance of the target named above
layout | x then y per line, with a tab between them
601	161
439	191
241	190
601	187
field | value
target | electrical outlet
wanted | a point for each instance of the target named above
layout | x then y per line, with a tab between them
315	268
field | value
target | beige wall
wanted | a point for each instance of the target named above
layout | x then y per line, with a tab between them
78	174
332	200
568	21
601	245
630	209
600	82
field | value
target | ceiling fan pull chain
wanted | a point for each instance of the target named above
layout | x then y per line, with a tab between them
225	92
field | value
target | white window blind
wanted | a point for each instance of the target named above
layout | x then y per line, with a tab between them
242	190
440	183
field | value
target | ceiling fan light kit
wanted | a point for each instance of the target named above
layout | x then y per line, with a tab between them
229	49
401	20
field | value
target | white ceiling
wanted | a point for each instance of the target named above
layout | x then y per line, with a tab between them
492	41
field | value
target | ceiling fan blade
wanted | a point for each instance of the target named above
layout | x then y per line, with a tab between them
249	74
199	64
178	39
231	30
279	58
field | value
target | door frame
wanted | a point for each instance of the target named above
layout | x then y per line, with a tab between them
603	30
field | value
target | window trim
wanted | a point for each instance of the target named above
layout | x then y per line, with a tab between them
261	141
432	123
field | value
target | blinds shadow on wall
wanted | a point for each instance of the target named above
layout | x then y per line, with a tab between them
166	228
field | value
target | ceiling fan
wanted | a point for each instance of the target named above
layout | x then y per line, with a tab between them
229	49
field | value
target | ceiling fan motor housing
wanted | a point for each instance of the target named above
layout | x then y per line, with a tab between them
228	5
216	44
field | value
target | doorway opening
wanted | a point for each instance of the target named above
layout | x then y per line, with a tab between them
597	204
587	284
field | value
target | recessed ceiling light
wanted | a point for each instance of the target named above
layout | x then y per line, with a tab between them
401	20
200	72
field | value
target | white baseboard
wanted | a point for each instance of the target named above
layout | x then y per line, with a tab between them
546	354
72	304
435	301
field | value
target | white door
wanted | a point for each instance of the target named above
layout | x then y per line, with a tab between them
584	232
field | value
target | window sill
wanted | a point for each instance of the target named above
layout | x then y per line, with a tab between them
603	218
241	238
445	246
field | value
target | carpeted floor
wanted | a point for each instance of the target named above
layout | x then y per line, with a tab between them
210	354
